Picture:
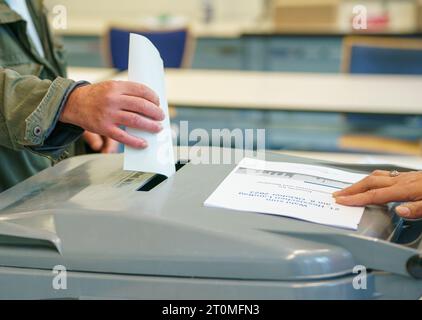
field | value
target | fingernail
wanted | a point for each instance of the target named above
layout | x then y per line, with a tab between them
335	194
403	211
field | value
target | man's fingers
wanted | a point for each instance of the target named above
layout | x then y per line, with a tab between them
375	197
123	137
370	182
110	146
143	107
133	120
139	90
411	210
95	141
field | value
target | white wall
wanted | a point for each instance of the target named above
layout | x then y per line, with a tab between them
225	10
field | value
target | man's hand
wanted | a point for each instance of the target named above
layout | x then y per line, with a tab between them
380	188
100	143
102	108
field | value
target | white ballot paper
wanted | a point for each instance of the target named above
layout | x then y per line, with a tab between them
292	190
146	67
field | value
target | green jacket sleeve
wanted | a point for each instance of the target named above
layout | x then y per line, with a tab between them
29	113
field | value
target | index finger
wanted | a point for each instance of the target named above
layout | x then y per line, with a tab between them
375	197
370	182
134	89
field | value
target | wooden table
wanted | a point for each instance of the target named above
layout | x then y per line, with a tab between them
293	91
92	75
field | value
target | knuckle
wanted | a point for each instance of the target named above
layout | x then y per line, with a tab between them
134	120
150	126
114	134
154	113
118	136
142	90
143	107
108	132
373	194
377	172
109	98
111	85
365	182
371	180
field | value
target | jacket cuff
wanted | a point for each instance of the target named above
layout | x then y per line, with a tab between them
48	136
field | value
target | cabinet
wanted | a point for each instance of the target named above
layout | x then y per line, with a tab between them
213	53
85	51
271	53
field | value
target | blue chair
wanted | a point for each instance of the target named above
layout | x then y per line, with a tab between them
172	45
367	55
370	55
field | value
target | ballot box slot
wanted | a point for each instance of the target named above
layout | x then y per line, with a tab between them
157	179
408	232
22	242
414	266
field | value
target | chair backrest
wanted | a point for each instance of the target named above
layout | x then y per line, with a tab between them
172	45
370	55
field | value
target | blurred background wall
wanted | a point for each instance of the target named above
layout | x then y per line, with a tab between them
403	15
136	9
277	36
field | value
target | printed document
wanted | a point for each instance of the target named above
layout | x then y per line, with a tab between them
146	67
288	189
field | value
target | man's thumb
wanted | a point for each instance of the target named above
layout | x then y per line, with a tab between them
94	141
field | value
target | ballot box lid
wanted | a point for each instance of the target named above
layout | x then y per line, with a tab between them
88	215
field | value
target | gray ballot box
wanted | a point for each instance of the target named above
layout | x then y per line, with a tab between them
86	229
